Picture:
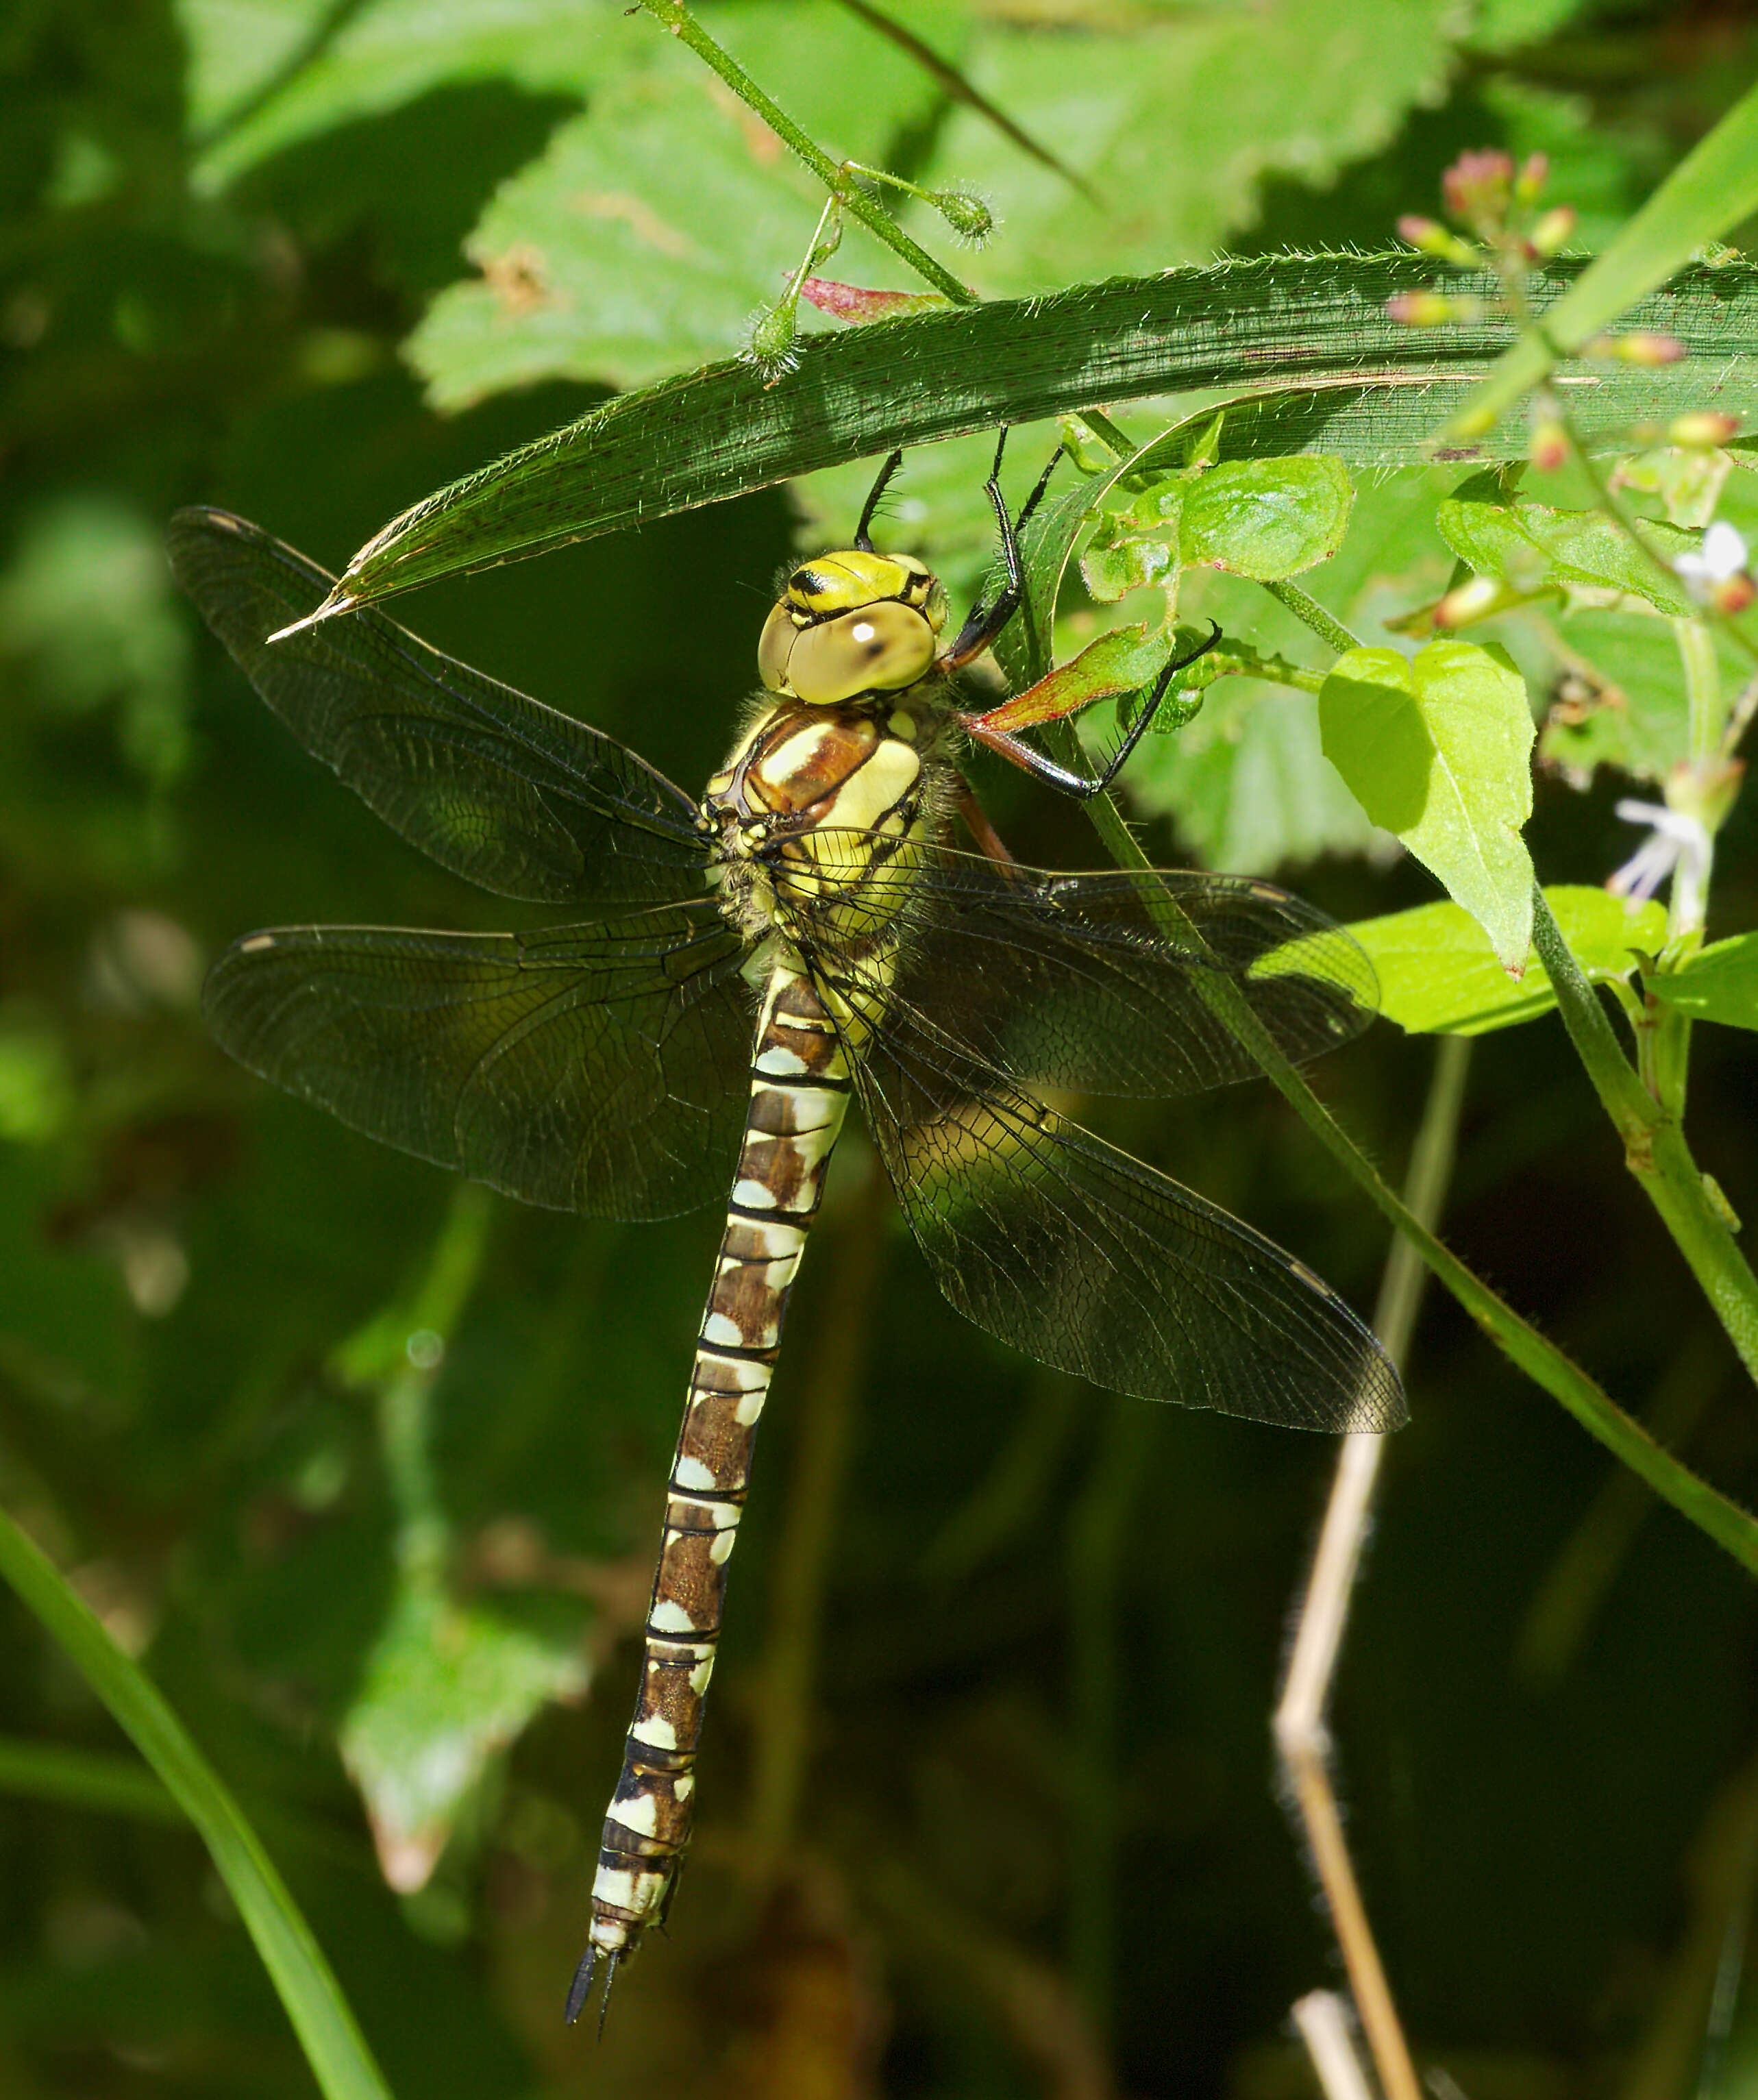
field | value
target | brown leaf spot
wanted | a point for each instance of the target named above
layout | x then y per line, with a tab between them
641	219
518	278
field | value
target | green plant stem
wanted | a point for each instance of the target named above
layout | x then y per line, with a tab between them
113	1784
681	24
1631	526
818	249
1245	662
961	89
1739	718
1731	1527
1308	609
1020	1487
1654	1150
108	1784
1101	1547
334	2047
377	1357
1707	716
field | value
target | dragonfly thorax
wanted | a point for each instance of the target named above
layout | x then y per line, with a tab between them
849	623
812	798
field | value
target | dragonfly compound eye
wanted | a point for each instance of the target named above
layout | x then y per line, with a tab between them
875	648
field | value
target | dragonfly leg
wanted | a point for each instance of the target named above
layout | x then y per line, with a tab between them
984	834
983	628
1084	786
864	530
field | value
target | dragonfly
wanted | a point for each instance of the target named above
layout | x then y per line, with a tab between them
745	962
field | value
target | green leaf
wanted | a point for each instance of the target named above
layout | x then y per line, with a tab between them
1176	117
1438	974
1134	548
1708	193
720	432
1719	983
1638	720
446	1688
264	75
644	237
582	276
334	2044
1245	782
1531	544
1437	748
1262	519
1267	518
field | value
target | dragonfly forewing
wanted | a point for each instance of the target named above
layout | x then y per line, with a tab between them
511	795
1115	982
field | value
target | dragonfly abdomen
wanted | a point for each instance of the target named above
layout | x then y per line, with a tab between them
800	1089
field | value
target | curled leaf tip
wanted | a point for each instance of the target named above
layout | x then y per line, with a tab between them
339	601
859	303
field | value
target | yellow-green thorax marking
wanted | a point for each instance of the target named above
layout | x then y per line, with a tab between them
833	792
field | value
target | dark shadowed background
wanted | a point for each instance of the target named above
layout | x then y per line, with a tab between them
311	263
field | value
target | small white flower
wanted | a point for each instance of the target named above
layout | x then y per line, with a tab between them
1676	845
1722	557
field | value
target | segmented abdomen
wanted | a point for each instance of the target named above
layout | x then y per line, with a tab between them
799	1095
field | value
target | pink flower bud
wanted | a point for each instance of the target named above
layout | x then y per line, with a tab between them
1535	173
1474	599
1475	188
1548	448
1551	232
1702	428
1640	347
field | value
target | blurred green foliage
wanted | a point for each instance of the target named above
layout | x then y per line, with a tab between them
293	259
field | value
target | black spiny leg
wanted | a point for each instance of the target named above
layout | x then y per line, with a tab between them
1080	785
984	627
864	530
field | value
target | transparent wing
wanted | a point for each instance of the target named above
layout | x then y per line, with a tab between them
1105	982
1089	1260
512	795
598	1069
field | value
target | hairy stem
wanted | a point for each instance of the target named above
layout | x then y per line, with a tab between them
681	24
1721	1519
1308	609
1654	1150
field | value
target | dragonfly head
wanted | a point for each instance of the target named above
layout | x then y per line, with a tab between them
851	622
